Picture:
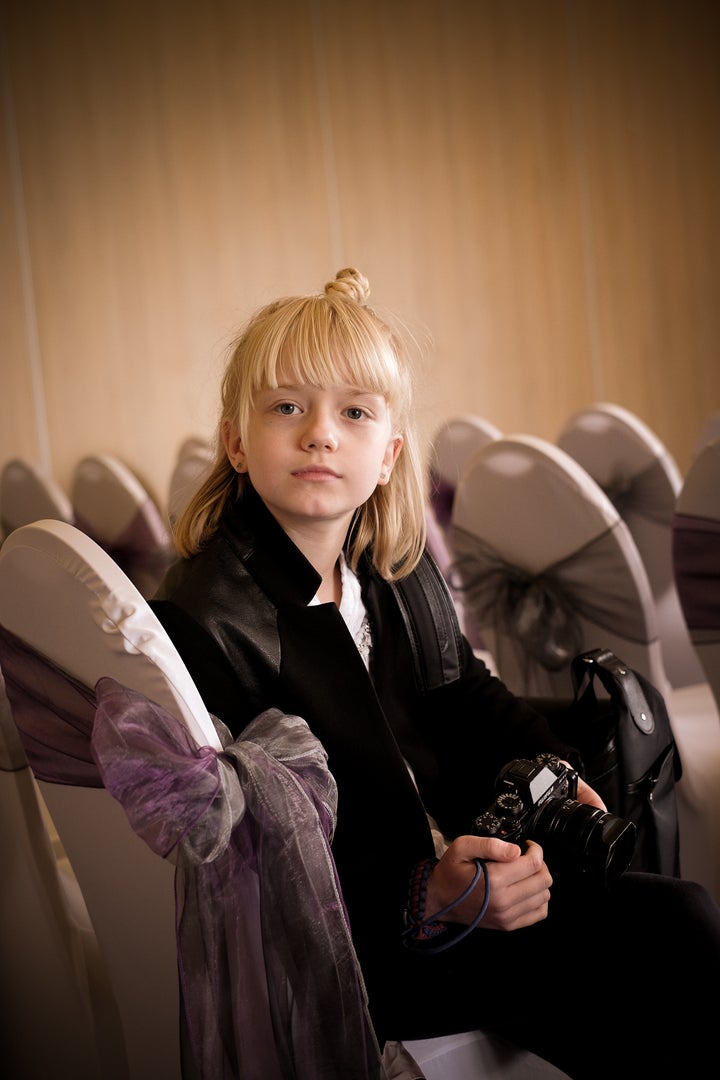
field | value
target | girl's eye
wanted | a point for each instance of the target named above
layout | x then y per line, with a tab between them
286	408
355	413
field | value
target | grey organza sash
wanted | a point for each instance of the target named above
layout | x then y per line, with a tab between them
540	614
269	980
648	494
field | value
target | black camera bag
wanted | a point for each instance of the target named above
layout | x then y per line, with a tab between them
628	751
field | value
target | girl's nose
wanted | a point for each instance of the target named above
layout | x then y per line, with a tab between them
320	435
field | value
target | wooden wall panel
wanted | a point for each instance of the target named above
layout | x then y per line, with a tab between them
19	433
168	194
531	184
648	90
472	221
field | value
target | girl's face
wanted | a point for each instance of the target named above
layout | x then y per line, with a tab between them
315	453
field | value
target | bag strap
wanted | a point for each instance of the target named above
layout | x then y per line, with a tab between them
619	680
431	620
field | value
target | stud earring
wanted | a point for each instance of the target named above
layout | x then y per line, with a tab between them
384	476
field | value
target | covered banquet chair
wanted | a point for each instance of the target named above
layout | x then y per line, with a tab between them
27	494
113	507
641	478
193	462
69	615
453	444
696	558
550	569
176	834
709	432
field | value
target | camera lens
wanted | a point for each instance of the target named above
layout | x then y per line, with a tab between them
575	836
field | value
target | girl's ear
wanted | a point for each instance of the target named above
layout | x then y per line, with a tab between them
390	456
233	445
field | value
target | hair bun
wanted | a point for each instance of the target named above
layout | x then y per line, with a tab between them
351	284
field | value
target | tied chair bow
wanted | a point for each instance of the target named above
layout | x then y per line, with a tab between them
646	493
264	947
540	614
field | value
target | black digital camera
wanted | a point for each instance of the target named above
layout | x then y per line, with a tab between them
536	801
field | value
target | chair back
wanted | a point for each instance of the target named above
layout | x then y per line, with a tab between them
112	506
639	475
67	599
194	461
27	494
454	444
709	432
548	568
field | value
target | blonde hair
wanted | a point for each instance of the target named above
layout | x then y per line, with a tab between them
321	340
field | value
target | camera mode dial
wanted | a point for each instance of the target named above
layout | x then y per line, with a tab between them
488	824
509	804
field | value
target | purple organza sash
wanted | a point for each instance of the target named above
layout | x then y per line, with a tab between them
442	497
53	714
696	564
143	550
540	613
269	979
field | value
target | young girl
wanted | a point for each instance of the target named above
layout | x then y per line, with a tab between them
304	584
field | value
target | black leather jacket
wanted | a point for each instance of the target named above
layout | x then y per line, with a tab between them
238	614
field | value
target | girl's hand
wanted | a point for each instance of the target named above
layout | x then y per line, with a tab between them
586	794
519	883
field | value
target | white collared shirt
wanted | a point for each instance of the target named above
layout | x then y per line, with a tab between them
353	610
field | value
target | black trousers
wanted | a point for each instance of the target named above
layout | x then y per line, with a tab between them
616	982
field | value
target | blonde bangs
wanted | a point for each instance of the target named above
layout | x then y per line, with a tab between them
321	342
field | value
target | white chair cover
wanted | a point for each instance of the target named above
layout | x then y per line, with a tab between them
641	478
454	444
91	620
709	432
114	509
476	1056
27	494
547	567
194	461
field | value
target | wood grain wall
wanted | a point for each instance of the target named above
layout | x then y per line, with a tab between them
532	184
